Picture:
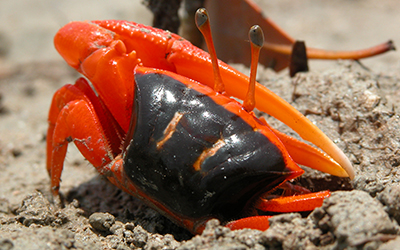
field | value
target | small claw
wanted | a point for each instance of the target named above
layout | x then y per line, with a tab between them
74	47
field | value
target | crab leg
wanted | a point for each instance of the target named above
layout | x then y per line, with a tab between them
73	117
313	53
298	203
286	204
255	222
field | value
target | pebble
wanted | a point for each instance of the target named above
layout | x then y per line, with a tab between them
101	221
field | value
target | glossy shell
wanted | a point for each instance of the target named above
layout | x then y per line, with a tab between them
195	157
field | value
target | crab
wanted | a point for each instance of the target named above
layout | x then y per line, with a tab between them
161	125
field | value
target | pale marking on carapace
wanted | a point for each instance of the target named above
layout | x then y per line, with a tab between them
170	129
208	153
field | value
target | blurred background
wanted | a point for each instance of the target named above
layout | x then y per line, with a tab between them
27	27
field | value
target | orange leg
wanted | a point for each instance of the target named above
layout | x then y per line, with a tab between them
287	204
75	116
297	203
254	222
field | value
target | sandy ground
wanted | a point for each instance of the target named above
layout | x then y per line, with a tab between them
357	108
